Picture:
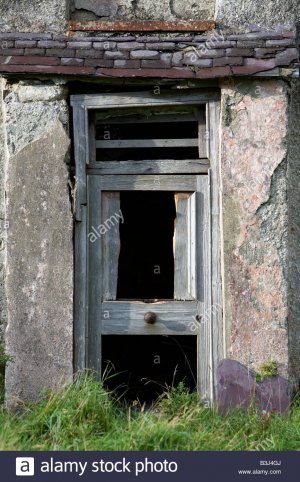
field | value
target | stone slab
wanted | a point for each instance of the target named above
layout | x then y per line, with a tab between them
39	284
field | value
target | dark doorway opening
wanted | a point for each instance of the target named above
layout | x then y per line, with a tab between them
146	261
143	367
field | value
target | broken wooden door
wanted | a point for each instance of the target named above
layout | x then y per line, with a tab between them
122	308
146	203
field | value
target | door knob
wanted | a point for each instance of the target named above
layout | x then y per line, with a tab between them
150	317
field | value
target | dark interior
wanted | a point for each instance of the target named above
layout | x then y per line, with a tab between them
147	130
146	261
142	367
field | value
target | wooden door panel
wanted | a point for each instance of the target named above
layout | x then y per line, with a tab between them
127	318
148	182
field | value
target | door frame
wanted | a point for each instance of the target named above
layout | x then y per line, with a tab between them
211	327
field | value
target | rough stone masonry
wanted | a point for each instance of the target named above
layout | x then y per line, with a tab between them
251	56
39	280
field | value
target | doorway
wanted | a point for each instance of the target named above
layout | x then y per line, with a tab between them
143	238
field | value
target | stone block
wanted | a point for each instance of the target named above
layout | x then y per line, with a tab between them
12	51
270	14
239	52
144	54
177	59
51	44
253	36
228	61
79	45
127	64
40	268
99	62
25	44
107	45
116	54
193	59
163	63
34	60
35	16
101	8
280	42
35	51
273	395
161	45
130	45
189	9
61	52
91	53
71	61
41	93
287	57
253	66
205	52
265	53
235	386
25	35
8	44
250	44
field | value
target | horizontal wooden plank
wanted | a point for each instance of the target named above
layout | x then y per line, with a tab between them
148	183
141	26
143	143
146	99
127	318
166	166
142	117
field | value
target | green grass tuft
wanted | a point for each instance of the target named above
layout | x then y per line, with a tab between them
84	416
268	370
4	359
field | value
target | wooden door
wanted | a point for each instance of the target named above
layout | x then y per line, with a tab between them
174	149
185	311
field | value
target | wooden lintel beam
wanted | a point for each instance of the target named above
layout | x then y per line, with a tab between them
141	26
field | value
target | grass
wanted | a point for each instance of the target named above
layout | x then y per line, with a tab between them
83	416
267	370
4	359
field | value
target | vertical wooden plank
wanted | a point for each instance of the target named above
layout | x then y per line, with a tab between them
185	247
202	134
217	300
192	245
94	274
205	382
80	275
91	155
80	148
80	301
209	130
182	242
111	216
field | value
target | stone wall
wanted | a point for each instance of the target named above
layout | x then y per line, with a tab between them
39	278
4	223
244	14
255	221
34	15
186	56
52	15
293	266
142	9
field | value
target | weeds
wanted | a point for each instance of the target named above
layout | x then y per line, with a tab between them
84	416
4	359
267	370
